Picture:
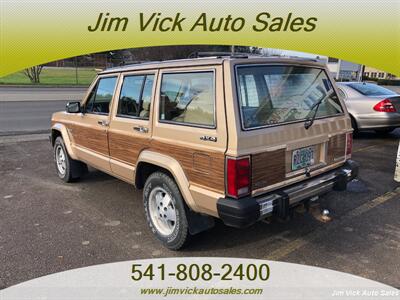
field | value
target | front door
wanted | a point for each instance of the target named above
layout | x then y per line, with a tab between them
89	129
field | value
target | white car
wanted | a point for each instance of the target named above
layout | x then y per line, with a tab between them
371	106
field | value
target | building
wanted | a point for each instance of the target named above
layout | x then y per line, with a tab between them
373	73
344	70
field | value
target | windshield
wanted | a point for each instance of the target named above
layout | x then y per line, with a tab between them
271	95
369	89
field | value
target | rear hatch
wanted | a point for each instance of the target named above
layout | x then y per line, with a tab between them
275	103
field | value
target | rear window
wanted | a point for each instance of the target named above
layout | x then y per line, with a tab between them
271	95
369	89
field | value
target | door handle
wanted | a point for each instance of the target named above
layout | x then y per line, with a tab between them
141	129
102	123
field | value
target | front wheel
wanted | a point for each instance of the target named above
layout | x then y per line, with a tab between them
165	210
67	168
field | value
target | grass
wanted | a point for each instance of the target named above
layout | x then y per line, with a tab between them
53	76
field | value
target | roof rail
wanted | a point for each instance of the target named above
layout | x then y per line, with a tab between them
218	54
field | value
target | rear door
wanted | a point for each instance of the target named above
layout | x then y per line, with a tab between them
130	127
274	101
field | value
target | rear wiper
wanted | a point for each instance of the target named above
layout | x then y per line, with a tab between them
310	121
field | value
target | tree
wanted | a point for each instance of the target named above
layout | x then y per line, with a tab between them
33	74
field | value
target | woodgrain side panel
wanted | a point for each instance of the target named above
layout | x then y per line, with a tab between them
208	171
90	137
268	168
336	147
126	148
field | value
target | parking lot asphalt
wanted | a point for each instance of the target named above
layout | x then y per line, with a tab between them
48	226
37	93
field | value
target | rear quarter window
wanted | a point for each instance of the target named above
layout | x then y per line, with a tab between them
188	98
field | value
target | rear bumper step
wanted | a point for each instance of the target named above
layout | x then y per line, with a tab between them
246	211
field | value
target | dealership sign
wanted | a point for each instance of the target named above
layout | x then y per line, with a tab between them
199	278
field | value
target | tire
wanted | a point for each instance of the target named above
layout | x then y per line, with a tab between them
354	125
67	169
165	211
384	131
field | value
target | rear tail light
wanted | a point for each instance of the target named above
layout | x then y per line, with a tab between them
238	175
385	106
349	144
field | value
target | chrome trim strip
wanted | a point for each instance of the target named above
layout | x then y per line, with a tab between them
300	191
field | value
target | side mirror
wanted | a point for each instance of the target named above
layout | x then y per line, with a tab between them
73	107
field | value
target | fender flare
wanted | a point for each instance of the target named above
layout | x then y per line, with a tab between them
64	134
174	167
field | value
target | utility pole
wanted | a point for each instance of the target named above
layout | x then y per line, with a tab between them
76	70
232	50
339	65
361	73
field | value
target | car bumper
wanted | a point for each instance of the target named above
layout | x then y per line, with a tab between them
379	120
246	211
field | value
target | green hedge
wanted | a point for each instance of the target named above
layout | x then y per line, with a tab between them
395	82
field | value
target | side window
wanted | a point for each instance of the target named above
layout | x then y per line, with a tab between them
101	96
135	96
188	98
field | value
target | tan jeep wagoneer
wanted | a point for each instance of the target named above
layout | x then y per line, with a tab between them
235	138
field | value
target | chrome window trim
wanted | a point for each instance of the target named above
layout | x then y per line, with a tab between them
118	115
95	86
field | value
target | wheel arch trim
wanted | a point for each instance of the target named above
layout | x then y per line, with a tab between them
174	167
65	136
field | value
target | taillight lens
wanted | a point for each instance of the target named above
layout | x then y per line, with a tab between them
349	144
238	176
385	106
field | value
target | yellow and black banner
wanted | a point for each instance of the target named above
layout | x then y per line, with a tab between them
34	32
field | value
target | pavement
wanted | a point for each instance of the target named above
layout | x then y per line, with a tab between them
29	109
19	117
49	226
34	93
393	88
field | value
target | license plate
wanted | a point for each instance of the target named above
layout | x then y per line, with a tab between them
302	158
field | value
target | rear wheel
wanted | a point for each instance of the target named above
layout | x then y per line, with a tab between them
67	168
354	125
165	210
384	131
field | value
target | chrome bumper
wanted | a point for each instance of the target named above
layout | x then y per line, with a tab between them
248	210
309	189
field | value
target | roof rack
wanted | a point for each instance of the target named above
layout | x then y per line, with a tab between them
218	54
301	58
